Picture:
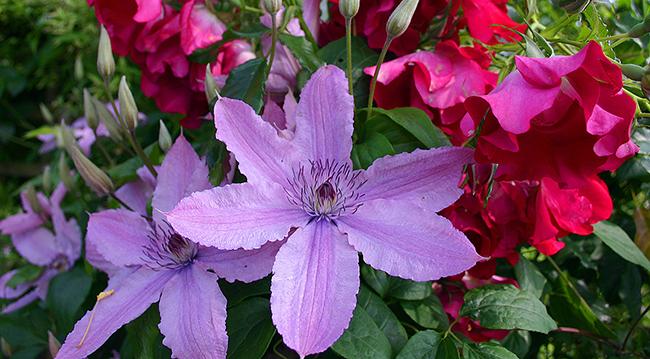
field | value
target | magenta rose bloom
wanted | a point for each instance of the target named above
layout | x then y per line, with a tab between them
437	82
488	21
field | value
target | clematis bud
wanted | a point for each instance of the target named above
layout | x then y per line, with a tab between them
89	110
78	68
645	82
5	348
641	29
348	8
105	61
53	344
632	71
112	126
164	138
94	177
47	179
64	173
272	6
574	6
45	112
128	108
401	17
210	85
30	193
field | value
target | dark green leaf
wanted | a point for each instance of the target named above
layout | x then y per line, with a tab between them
377	280
518	342
25	274
486	351
427	312
362	57
447	349
250	329
65	295
376	146
418	124
619	242
238	291
529	277
423	345
303	51
143	339
410	290
383	317
246	82
507	307
363	339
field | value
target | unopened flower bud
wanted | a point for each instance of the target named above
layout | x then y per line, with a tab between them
113	127
210	85
348	8
632	71
94	177
128	108
5	347
45	112
78	68
47	179
105	61
30	194
573	6
53	344
645	82
641	29
89	110
272	6
164	138
64	173
401	17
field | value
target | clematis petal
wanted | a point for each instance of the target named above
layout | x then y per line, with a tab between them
407	241
242	265
181	173
22	302
429	176
38	246
118	235
324	116
67	235
193	315
6	292
236	216
20	222
314	286
263	155
131	296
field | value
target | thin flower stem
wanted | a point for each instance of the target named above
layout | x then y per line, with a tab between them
373	84
111	99
585	334
140	152
614	37
107	157
305	29
274	39
252	9
113	196
567	41
348	45
634	325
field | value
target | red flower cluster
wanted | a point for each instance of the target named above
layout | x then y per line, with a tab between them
159	39
551	126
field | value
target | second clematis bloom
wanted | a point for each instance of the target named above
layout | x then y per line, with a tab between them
148	261
305	190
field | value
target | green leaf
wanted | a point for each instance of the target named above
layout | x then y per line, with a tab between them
246	82
335	53
303	51
619	242
399	138
418	124
383	317
486	351
377	280
529	277
25	274
572	310
376	146
143	339
427	312
43	130
447	349
518	342
363	339
237	292
250	329
422	345
410	290
507	307
65	295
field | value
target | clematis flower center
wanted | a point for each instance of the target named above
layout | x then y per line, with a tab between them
167	249
325	189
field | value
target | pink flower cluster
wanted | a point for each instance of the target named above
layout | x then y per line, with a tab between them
159	39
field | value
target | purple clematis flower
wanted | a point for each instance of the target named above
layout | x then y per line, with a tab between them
150	262
55	251
305	189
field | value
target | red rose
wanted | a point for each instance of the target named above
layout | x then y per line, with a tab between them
488	21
